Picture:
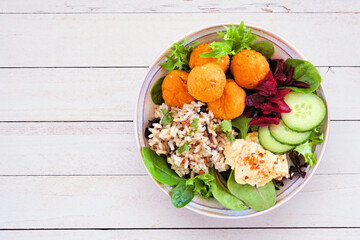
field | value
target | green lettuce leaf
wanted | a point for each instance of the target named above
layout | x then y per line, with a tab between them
159	168
257	198
235	40
305	72
242	124
201	184
306	149
179	56
265	48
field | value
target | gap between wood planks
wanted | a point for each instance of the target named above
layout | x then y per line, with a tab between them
166	229
149	12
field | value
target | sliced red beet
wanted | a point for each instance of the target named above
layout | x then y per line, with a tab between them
255	100
281	93
282	106
249	112
265	120
300	84
267	86
277	68
267	103
289	80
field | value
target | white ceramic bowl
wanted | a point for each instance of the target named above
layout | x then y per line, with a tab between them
145	107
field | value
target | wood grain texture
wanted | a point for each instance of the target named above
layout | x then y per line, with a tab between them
84	60
69	94
63	40
178	6
110	149
165	234
136	202
99	94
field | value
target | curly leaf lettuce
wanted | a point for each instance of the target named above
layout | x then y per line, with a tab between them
306	149
179	56
201	184
235	40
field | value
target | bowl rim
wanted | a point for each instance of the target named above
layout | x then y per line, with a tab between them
320	155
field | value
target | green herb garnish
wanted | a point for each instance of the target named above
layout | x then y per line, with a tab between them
179	56
167	118
194	124
227	129
184	148
235	40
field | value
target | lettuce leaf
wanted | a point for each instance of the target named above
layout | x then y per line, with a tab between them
179	56
306	149
305	72
235	40
201	184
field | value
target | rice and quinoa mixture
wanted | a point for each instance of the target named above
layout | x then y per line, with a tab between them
206	144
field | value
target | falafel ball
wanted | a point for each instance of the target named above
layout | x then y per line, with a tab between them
174	89
207	82
196	60
231	104
249	68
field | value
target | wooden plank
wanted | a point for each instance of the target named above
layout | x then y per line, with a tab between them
164	234
62	40
69	94
136	202
176	6
69	148
110	94
110	149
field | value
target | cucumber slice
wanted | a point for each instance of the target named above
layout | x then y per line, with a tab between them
307	111
269	143
285	135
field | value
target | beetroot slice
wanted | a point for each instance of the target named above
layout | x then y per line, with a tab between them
267	86
277	68
281	93
255	100
249	112
267	103
300	84
265	120
278	106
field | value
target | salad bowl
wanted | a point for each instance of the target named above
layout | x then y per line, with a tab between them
144	110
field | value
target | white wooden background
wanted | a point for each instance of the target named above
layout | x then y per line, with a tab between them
69	75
